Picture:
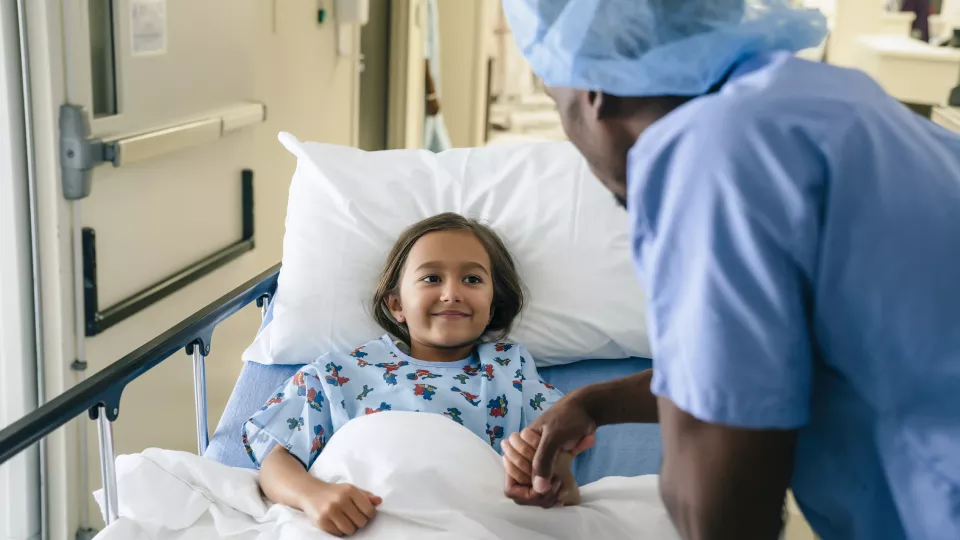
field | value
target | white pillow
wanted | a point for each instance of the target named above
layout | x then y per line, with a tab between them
566	233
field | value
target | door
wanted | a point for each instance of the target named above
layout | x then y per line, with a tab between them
189	97
172	86
161	77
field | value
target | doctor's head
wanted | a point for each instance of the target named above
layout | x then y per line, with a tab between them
604	127
448	283
616	66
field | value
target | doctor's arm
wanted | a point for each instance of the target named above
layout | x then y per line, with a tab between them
720	482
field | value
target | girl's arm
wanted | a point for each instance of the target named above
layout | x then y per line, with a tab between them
284	438
337	509
284	480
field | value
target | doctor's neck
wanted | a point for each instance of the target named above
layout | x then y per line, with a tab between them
636	114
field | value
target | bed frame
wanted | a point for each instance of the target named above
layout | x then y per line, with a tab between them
100	394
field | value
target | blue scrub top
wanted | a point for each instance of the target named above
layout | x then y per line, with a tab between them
798	234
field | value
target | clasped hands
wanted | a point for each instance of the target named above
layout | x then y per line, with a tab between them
538	459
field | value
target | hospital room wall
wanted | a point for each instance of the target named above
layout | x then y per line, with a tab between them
465	28
308	90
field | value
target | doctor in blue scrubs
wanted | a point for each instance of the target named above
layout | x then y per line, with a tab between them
797	232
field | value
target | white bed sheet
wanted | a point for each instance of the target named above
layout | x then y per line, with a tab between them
436	478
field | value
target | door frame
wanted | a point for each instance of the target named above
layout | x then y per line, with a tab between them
22	480
405	104
44	48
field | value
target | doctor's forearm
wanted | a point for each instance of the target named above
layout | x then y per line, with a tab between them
622	401
720	482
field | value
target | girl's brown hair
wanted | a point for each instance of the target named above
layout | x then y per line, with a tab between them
507	287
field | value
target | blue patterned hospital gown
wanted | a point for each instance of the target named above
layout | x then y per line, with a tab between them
495	392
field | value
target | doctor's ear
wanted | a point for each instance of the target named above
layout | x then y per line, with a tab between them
602	105
395	308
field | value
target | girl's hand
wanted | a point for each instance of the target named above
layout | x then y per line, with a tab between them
518	453
518	459
567	426
339	509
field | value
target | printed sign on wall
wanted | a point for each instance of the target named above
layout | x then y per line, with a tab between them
148	27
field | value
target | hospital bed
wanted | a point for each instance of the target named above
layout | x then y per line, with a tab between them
625	450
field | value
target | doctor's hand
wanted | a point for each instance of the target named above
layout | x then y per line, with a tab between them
339	509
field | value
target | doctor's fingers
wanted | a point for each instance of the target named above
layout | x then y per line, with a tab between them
526	496
585	444
544	462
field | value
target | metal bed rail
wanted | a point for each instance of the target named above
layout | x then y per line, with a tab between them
100	394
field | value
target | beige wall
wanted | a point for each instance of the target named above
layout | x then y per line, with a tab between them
309	91
464	40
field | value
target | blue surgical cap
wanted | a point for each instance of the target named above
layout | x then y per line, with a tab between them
654	47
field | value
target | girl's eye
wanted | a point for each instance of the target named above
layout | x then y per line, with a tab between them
473	280
430	279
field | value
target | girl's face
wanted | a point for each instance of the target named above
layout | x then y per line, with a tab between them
446	291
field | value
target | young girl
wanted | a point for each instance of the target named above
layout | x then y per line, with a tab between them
449	292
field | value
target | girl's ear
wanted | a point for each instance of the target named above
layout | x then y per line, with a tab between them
393	304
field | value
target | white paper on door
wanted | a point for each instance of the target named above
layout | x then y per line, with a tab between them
148	27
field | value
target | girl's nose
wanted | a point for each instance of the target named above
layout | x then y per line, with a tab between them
451	292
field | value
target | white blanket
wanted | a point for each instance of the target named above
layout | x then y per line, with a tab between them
437	480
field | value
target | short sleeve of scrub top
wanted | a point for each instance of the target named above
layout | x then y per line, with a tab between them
724	239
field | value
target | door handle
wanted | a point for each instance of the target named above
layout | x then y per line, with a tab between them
158	142
79	153
136	148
